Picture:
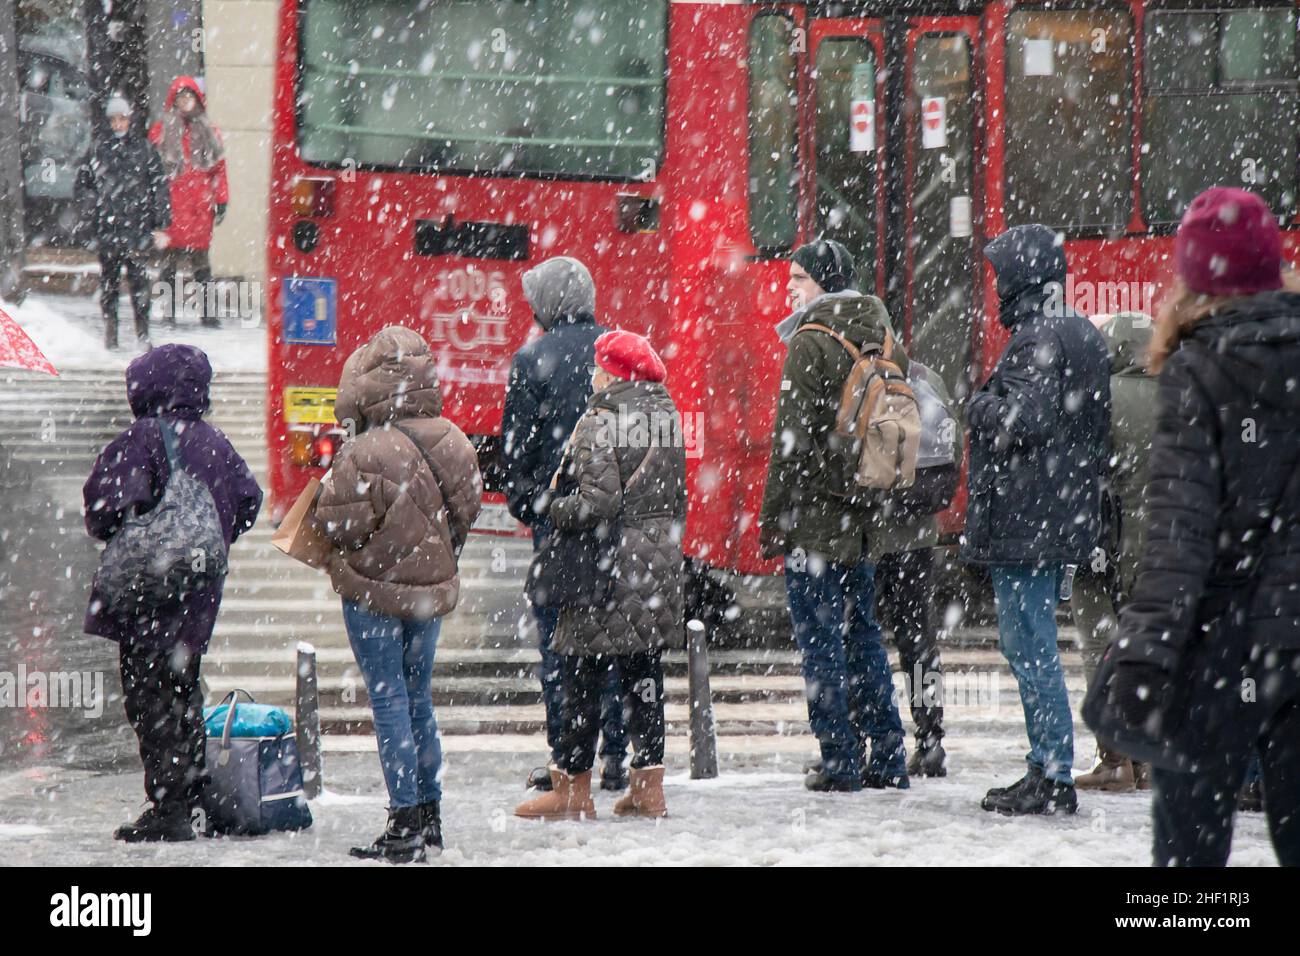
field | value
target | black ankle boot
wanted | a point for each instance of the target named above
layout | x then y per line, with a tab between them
431	826
613	775
402	840
158	824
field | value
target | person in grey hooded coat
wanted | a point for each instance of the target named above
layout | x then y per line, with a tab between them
550	382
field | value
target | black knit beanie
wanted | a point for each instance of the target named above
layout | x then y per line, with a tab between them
828	263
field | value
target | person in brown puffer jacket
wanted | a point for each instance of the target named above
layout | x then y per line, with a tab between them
398	505
618	470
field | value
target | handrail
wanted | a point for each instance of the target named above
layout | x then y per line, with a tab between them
483	137
537	79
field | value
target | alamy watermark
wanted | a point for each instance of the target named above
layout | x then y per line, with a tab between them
634	428
73	690
215	299
1099	298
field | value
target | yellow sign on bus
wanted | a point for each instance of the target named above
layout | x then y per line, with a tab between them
309	406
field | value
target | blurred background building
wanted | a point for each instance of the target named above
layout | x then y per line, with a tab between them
59	62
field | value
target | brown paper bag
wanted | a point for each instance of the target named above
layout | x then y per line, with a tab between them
298	535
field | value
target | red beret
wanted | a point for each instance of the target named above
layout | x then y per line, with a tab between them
631	356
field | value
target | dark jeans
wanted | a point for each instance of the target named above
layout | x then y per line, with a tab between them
164	705
396	656
641	685
551	675
847	677
197	262
111	264
1193	813
904	600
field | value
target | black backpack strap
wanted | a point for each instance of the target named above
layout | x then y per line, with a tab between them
169	445
433	472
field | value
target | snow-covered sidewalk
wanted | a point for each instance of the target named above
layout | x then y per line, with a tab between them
70	331
756	812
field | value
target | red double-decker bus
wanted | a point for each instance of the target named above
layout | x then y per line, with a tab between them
427	152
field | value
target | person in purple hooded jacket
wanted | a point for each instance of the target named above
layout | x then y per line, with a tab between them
161	648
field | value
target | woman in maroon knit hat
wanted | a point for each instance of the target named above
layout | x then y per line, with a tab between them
1227	442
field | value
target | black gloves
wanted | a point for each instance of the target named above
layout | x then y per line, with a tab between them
221	212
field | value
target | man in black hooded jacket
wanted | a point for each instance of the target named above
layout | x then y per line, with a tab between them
124	178
1038	445
550	382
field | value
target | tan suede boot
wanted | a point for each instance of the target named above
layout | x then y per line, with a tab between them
645	797
569	799
551	805
1113	774
1142	775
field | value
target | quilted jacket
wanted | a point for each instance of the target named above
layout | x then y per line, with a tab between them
609	443
402	495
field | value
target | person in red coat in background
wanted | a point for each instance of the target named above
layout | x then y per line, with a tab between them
194	160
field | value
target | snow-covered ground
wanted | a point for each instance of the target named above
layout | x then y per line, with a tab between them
70	331
755	812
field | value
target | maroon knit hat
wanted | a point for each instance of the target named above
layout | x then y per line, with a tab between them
628	355
1229	244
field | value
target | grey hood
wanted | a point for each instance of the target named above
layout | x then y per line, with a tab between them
785	329
558	288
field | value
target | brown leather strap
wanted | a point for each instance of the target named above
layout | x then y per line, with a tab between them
886	351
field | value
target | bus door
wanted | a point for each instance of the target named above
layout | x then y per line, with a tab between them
941	258
847	144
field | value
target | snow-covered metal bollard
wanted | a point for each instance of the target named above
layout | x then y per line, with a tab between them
307	721
704	741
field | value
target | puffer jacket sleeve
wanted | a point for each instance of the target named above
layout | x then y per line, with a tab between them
249	496
1184	495
355	497
1023	408
593	464
461	484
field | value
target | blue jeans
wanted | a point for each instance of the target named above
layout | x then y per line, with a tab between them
396	660
847	677
613	729
1027	596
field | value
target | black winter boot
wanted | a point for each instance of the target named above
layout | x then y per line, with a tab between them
822	782
431	826
402	840
997	794
1040	796
928	760
613	775
539	779
158	824
883	779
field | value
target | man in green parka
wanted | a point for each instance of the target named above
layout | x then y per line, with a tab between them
830	531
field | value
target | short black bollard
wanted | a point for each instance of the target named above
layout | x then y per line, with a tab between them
704	741
307	721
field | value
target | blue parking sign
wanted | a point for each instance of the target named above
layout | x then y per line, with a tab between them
310	310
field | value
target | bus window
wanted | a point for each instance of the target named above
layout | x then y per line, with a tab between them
1226	81
846	180
1069	119
563	87
773	135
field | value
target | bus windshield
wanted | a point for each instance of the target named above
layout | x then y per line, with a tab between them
569	88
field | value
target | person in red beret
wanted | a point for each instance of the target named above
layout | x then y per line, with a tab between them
622	479
1215	609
